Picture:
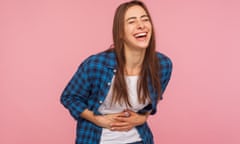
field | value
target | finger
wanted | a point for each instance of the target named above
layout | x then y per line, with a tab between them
123	114
113	116
127	114
124	128
119	124
130	112
121	119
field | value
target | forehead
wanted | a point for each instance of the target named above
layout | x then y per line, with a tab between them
135	11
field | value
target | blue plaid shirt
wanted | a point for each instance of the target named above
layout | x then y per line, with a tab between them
89	87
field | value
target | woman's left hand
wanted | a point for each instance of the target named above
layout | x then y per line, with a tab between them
128	120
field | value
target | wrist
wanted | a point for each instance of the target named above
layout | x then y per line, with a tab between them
89	115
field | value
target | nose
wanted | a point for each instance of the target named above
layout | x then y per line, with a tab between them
140	25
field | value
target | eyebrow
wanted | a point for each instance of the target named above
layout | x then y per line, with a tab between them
136	17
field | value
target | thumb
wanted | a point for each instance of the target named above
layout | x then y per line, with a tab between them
130	112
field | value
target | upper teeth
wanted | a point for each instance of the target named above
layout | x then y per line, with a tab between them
140	34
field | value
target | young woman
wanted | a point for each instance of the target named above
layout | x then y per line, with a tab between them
113	92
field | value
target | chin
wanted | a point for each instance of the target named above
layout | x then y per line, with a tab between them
142	47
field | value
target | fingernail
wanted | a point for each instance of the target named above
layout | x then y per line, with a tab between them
127	114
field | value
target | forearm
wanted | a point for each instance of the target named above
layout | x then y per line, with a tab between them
103	121
88	115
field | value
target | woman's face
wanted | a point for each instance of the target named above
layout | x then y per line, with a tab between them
137	28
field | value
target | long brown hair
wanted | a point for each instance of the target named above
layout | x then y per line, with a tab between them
150	67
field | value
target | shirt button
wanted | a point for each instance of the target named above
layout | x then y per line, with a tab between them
114	70
108	83
100	102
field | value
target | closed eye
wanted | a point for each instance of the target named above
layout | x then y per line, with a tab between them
131	22
146	19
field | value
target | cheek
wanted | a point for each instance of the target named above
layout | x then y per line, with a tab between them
128	32
150	29
131	27
149	26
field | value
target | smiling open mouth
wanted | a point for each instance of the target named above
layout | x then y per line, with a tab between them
140	35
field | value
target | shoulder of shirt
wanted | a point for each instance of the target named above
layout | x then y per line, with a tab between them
163	58
106	58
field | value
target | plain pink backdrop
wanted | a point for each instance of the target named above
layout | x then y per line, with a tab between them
42	42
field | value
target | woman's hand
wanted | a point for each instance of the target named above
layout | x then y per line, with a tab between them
106	121
127	120
123	121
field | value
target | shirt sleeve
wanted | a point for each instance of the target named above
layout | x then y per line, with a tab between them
166	72
76	93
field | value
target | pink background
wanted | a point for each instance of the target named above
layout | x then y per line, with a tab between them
42	42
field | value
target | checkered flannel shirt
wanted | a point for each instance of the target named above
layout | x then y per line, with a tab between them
90	85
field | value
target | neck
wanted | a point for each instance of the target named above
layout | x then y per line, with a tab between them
134	60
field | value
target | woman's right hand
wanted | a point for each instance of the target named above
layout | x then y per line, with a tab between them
105	121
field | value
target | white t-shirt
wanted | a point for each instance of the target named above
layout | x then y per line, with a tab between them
121	137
